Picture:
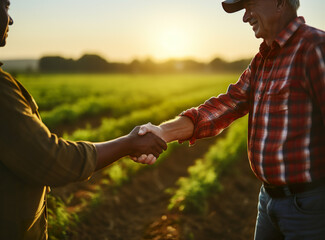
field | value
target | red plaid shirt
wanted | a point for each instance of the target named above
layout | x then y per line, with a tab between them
283	90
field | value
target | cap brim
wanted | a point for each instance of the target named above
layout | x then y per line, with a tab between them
231	6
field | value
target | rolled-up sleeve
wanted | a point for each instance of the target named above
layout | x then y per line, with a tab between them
30	151
217	113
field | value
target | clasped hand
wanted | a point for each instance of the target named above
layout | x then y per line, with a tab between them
149	157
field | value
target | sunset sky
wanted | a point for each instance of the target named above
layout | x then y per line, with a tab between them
121	30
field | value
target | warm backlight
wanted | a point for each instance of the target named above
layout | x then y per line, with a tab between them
172	43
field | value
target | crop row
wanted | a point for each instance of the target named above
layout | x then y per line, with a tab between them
109	105
120	172
204	175
52	90
61	219
189	93
112	128
68	98
191	193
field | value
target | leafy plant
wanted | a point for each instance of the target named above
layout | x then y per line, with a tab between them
59	219
204	175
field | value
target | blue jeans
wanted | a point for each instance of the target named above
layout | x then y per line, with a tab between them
301	216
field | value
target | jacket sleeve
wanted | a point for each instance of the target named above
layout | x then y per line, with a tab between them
30	151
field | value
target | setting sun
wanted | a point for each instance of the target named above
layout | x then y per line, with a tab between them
172	43
152	29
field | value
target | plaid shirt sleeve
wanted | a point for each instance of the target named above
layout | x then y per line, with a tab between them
217	113
315	73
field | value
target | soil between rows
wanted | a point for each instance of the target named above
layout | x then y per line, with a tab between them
138	210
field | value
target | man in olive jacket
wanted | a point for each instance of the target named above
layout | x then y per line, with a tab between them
32	159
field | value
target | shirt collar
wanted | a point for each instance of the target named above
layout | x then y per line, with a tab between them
283	36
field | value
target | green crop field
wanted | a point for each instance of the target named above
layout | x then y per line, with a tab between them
69	98
119	103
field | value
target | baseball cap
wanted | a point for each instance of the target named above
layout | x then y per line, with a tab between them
231	6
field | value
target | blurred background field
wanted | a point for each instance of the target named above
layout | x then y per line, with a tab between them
66	100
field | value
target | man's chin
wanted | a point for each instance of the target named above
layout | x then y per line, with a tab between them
257	34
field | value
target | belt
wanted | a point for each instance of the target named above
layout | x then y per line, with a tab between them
291	189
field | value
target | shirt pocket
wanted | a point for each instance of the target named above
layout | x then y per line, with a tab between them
277	102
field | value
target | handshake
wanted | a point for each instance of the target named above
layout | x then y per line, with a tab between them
146	143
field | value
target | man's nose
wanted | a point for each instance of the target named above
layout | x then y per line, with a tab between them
247	16
11	21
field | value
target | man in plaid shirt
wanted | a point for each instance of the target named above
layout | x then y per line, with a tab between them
283	91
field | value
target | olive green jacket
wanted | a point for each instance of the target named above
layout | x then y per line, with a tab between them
31	158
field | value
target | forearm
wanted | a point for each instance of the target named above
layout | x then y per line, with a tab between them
111	151
180	128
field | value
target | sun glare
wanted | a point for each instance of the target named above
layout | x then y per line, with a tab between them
173	43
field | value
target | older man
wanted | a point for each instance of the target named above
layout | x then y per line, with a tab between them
283	90
32	158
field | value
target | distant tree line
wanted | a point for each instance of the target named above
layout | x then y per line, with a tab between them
91	63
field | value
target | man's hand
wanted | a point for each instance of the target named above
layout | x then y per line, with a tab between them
132	144
180	128
157	130
146	129
145	143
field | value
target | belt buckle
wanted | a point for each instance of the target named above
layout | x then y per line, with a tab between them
286	191
277	191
